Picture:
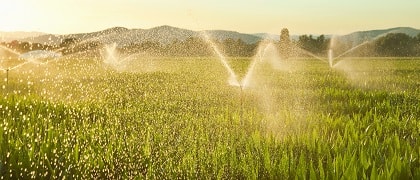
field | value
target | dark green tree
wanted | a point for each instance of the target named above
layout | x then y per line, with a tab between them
285	43
418	38
67	45
417	46
316	46
396	44
68	42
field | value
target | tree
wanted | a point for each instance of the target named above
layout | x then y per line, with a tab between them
316	46
417	46
395	44
67	42
418	38
68	45
285	44
321	43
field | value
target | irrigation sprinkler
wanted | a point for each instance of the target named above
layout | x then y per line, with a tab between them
7	76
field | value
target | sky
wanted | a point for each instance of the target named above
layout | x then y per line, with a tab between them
246	16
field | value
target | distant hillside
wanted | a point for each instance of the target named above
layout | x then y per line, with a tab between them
57	39
167	34
10	36
362	36
222	35
162	34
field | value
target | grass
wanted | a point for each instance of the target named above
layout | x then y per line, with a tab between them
177	118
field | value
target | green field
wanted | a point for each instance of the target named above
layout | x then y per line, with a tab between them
177	118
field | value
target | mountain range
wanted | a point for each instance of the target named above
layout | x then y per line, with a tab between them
167	34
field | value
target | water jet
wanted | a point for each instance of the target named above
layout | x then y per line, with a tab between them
233	80
330	57
313	55
36	55
14	52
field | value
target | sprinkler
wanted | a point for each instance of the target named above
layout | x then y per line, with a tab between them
7	76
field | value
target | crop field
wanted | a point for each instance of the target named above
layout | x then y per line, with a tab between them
178	118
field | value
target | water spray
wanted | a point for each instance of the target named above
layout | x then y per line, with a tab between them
350	50
112	58
330	57
241	112
10	50
313	55
233	80
246	80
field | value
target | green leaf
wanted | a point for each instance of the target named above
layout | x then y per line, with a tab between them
312	174
374	173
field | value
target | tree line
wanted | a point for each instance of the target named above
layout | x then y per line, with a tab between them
398	44
390	45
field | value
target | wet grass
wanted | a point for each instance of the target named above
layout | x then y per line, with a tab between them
180	119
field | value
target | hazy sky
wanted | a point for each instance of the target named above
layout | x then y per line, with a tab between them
247	16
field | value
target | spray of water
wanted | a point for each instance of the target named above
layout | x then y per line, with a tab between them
111	57
259	57
330	57
270	99
233	80
41	57
266	51
10	50
352	49
332	44
313	55
330	51
19	65
34	57
246	80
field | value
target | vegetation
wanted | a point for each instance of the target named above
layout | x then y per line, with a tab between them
398	45
285	43
319	45
390	45
178	118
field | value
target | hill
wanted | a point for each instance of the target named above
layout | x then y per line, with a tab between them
222	35
362	36
162	34
10	36
168	34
